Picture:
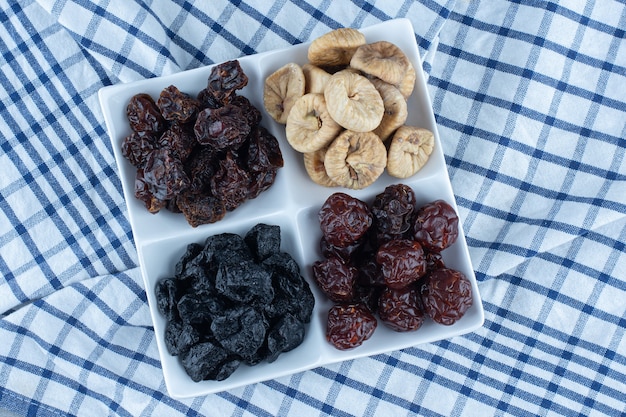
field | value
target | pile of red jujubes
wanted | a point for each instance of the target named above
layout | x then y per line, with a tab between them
204	155
385	260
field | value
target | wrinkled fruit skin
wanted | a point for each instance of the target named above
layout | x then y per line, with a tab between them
436	226
401	309
379	268
177	106
234	299
164	174
446	296
144	115
336	279
200	156
393	209
344	219
349	325
402	261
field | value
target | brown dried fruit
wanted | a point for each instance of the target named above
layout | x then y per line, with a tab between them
176	105
401	309
335	47
355	159
447	295
436	225
281	90
353	101
314	165
381	59
309	125
335	278
349	325
402	262
144	115
409	151
407	85
315	78
395	106
344	219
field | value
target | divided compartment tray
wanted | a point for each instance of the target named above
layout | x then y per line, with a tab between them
292	202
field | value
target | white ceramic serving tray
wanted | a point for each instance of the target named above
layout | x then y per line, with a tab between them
292	203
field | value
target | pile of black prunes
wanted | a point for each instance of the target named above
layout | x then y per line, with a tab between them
234	300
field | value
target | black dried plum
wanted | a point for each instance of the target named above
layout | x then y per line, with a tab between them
263	240
193	308
226	247
240	330
234	307
167	294
191	251
285	335
244	282
179	337
282	263
208	361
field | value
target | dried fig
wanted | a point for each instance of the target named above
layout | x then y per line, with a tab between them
409	150
281	90
315	78
309	126
407	85
353	101
335	47
314	165
355	159
395	109
381	59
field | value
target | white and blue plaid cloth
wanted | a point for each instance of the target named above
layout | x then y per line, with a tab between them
530	101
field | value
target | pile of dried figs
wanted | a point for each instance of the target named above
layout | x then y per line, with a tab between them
234	300
385	259
345	110
204	155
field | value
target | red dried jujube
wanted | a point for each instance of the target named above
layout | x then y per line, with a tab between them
446	295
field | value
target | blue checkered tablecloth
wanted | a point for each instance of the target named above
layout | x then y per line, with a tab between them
530	101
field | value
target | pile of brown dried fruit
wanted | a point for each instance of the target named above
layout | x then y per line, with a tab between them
385	259
346	108
201	156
